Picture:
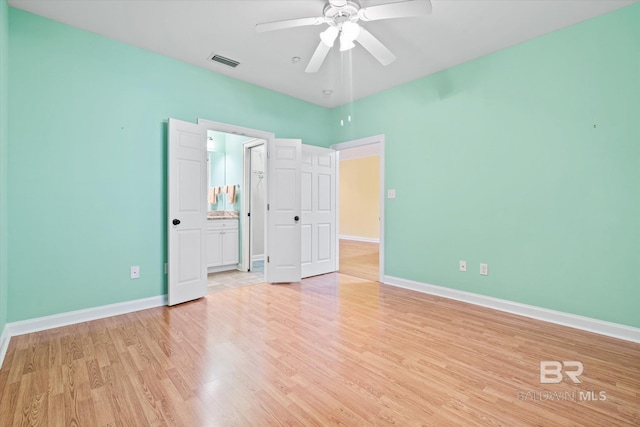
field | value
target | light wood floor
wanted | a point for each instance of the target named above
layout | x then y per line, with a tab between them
333	350
359	259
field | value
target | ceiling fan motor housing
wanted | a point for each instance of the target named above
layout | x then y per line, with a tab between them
339	12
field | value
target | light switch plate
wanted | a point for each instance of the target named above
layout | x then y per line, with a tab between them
463	265
484	269
135	272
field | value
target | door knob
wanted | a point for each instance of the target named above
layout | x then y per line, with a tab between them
176	221
296	218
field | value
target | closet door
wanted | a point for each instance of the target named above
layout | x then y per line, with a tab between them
283	211
187	207
318	234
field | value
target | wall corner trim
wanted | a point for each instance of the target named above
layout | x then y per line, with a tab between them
72	317
615	330
4	343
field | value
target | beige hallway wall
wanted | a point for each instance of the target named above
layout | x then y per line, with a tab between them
360	197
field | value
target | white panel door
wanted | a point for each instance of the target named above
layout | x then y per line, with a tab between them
318	180
283	211
187	199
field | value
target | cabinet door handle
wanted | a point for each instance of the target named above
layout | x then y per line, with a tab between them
296	218
176	221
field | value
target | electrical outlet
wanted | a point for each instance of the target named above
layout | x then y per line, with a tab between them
484	269
135	272
463	265
391	194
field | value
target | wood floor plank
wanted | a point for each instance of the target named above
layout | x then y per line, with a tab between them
16	366
336	349
150	395
87	413
8	401
103	413
55	410
360	259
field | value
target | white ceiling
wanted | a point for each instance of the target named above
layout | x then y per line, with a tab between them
456	31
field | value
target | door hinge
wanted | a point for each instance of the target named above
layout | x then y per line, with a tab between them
267	154
248	213
268	259
267	206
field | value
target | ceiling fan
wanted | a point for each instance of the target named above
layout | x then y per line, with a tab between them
342	16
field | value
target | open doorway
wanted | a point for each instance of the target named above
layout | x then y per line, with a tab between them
189	227
255	200
361	189
228	247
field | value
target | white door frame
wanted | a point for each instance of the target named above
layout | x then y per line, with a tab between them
239	130
377	139
246	200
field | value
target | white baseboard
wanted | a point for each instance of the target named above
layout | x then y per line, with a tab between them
615	330
359	239
63	319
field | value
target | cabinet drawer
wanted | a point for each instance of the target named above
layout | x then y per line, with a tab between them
222	224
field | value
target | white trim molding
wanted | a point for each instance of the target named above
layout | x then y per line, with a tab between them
72	317
602	327
359	239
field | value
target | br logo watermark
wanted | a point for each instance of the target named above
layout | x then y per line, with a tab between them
551	371
556	372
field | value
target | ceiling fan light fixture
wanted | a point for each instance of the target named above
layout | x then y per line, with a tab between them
350	30
346	44
348	33
329	35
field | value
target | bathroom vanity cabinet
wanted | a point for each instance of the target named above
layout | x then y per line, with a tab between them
222	244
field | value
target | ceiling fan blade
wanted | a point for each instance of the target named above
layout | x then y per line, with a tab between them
318	58
375	47
403	9
289	23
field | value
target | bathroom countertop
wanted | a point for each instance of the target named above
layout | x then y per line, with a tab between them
213	215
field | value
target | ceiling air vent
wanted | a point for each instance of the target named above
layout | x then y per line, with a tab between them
225	61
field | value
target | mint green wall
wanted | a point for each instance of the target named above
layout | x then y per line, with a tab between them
90	113
4	142
498	161
495	161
